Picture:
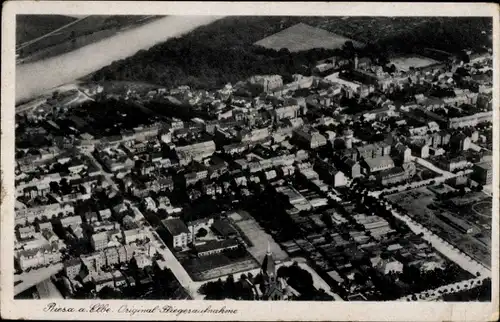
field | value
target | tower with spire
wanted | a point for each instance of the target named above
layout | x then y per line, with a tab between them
272	288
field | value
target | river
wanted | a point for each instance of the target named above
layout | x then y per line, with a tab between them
35	78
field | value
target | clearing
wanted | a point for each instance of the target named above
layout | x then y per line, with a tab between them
404	63
304	37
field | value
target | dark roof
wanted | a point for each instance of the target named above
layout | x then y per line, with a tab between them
215	244
223	227
268	266
175	226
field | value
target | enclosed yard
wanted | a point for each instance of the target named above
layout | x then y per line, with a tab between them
405	62
257	236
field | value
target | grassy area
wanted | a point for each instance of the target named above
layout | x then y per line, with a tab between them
29	27
303	37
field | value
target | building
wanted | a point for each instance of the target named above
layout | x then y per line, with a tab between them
272	287
420	149
71	221
401	153
460	142
453	164
470	120
378	164
483	173
216	246
286	112
374	150
178	235
386	266
28	215
351	168
111	255
132	235
37	257
105	214
310	138
72	267
195	151
397	174
99	241
330	174
265	83
26	232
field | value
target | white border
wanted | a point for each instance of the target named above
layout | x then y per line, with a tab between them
368	311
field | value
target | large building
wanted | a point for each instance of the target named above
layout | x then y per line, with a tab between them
378	164
178	235
309	138
483	173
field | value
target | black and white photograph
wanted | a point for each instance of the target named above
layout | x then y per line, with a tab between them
308	158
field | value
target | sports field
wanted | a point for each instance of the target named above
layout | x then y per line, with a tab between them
304	37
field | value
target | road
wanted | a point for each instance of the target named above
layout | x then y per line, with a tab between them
417	184
445	289
432	167
47	290
34	277
174	265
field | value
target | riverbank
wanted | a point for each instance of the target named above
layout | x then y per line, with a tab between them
37	78
76	35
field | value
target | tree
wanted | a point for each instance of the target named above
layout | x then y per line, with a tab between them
202	232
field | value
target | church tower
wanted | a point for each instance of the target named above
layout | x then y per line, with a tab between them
271	287
268	268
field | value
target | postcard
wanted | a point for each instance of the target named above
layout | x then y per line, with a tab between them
250	161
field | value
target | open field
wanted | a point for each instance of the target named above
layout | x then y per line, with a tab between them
258	237
304	37
405	62
476	244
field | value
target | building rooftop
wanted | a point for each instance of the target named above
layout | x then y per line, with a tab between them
175	226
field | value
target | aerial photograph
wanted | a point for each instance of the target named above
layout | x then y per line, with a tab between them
257	158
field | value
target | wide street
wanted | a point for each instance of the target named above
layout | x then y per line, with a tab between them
33	277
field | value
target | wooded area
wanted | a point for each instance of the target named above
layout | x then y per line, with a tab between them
223	51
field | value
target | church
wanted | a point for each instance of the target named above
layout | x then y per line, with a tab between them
270	287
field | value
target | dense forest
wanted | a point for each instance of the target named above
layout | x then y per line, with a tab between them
223	51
